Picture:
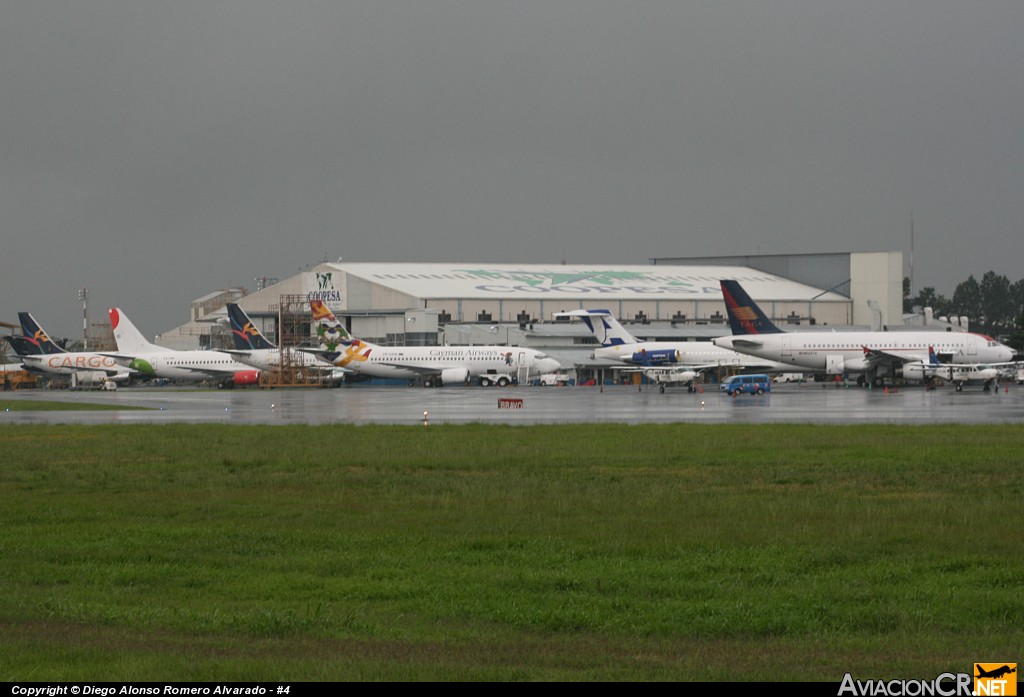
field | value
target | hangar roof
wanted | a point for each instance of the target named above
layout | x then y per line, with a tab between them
614	282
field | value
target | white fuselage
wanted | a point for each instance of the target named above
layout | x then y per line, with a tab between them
76	363
952	372
185	365
270	359
691	353
839	352
409	362
670	375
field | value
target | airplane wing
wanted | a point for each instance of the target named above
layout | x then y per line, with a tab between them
215	372
33	363
666	373
121	358
419	370
709	366
323	355
235	352
876	357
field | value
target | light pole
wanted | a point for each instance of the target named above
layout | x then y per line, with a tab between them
83	295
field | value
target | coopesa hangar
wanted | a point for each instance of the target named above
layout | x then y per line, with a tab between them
522	304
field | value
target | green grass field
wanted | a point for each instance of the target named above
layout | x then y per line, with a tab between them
487	553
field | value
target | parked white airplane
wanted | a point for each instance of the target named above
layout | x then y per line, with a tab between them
873	355
959	374
134	351
452	365
254	349
617	344
40	354
664	376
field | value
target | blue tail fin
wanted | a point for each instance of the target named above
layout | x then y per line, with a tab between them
36	335
247	336
24	346
605	328
745	317
932	358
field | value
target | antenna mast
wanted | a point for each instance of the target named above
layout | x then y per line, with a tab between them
911	251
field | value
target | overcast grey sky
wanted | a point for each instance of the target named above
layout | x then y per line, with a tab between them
156	151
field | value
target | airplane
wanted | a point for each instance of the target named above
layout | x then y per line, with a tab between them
995	672
660	359
872	355
449	365
959	374
668	376
40	354
134	351
22	347
254	349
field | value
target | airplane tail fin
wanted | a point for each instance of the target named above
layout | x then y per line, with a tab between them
329	330
604	327
129	339
23	346
745	317
35	334
247	336
932	358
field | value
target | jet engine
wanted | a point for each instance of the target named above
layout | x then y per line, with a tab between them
454	376
658	357
241	377
87	378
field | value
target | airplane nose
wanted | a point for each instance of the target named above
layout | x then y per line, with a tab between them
548	365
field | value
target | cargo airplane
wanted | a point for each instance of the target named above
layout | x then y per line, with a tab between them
447	365
663	362
255	350
872	355
40	354
134	351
